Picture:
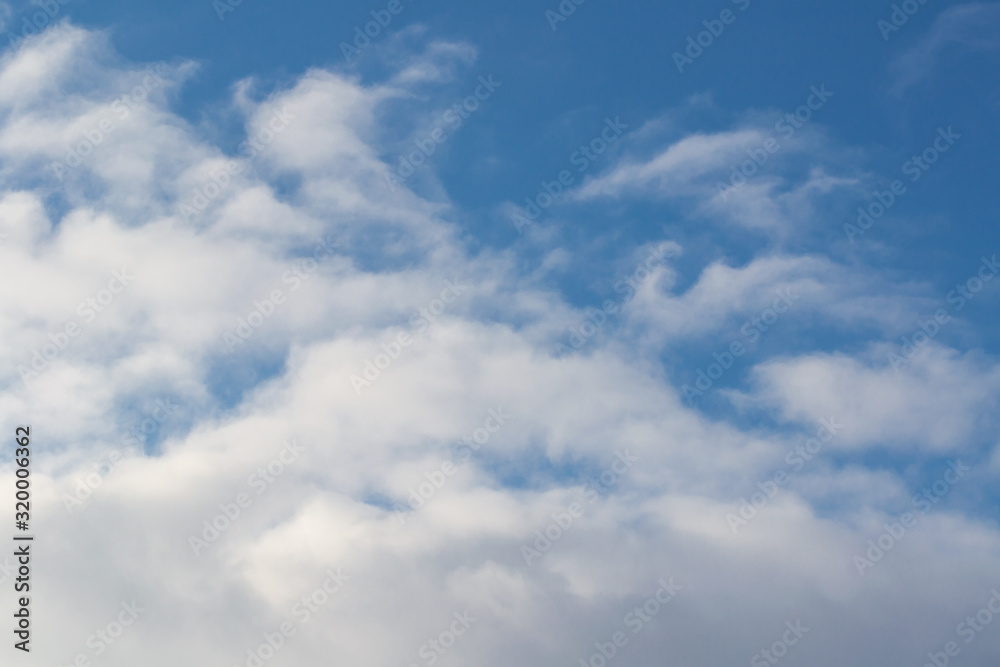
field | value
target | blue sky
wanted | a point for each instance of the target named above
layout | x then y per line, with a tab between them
616	253
607	60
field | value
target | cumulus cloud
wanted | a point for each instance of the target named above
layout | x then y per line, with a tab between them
940	399
371	435
803	286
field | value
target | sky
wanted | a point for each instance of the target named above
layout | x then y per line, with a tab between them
420	333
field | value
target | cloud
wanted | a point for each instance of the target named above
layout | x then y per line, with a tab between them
672	171
941	401
298	251
751	176
970	27
5	15
724	297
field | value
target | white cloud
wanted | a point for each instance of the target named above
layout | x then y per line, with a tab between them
808	287
939	400
196	276
729	175
971	26
672	171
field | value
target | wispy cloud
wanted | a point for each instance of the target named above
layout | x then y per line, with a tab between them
968	27
192	280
